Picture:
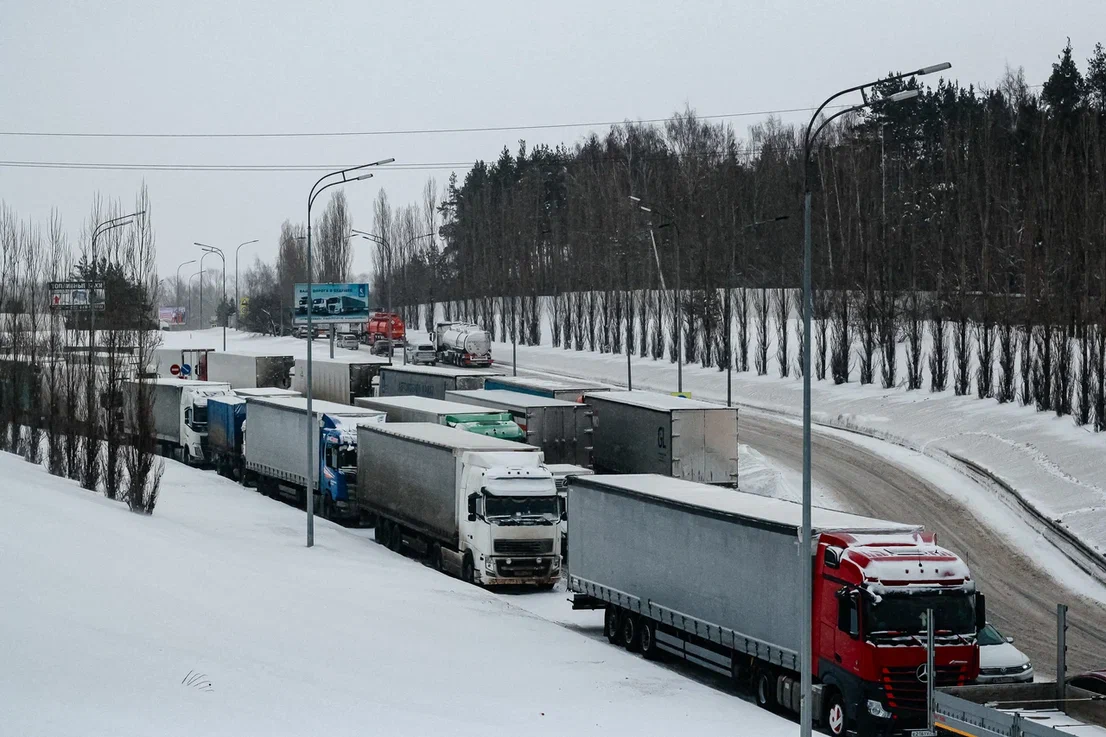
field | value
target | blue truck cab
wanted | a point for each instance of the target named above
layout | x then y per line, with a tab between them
338	464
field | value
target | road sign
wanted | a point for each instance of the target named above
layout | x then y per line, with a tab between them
185	369
245	301
332	303
174	369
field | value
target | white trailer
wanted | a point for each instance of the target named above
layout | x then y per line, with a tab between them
339	379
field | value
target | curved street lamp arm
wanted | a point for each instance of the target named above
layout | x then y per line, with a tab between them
343	172
316	192
808	140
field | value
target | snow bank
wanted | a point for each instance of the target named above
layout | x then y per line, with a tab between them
109	617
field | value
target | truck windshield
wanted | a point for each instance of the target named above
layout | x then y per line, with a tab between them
347	458
520	507
199	417
904	614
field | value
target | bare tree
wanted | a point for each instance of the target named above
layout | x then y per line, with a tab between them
783	331
761	308
332	251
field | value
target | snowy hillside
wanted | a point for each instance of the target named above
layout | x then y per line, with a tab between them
110	616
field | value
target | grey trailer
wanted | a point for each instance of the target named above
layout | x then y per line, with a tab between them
339	379
411	472
568	390
714	576
420	409
648	432
561	429
247	372
276	432
430	381
680	546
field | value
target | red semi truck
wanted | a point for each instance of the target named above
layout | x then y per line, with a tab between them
714	576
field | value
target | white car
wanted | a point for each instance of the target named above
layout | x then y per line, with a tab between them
421	353
349	341
999	660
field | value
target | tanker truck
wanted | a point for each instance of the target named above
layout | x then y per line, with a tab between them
463	344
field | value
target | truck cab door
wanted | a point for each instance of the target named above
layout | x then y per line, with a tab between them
847	637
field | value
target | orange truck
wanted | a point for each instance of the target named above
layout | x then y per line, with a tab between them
385	325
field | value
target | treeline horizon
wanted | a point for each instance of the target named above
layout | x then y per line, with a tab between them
969	220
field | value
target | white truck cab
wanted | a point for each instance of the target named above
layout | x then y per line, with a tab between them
510	524
193	420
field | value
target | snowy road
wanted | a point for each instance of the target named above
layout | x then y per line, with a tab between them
870	477
1021	597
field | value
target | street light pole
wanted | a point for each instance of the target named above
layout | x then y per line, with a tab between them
191	261
237	308
201	315
223	258
678	317
100	229
312	430
190	289
806	551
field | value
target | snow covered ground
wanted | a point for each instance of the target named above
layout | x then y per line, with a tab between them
109	617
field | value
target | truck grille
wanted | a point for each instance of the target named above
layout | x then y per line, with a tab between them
523	547
523	568
906	695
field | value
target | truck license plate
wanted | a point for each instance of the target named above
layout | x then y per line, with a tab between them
923	733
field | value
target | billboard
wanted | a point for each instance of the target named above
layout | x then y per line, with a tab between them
171	315
332	303
77	295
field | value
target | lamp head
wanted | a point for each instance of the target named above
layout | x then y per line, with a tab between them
934	68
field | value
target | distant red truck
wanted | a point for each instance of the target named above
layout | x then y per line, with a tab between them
387	325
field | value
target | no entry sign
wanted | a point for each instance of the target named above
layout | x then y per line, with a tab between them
174	370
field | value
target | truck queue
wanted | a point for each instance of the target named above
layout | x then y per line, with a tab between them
640	486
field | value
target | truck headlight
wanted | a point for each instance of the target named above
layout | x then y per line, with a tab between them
875	708
488	566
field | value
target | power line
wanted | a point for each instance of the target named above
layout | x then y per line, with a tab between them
399	132
723	154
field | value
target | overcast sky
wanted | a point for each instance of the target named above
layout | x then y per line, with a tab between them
278	66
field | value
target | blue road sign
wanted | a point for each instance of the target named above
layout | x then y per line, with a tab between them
185	369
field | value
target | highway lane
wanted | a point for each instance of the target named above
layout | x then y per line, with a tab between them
1021	594
1021	597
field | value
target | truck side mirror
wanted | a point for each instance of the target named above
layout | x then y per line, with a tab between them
472	507
848	614
980	611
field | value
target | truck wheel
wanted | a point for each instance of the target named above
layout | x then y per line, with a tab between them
611	624
380	530
468	570
631	632
434	556
836	721
395	540
647	637
764	686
